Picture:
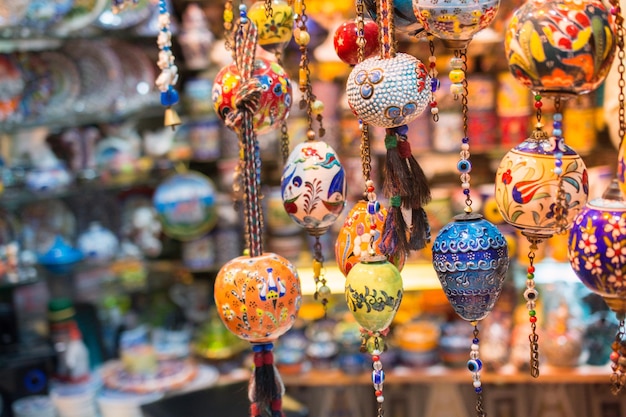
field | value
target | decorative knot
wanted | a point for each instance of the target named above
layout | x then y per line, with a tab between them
391	141
247	99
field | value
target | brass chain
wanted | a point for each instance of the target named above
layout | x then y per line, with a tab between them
560	207
366	155
269	11
533	337
465	154
621	67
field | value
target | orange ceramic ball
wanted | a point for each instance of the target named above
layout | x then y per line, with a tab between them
258	298
355	234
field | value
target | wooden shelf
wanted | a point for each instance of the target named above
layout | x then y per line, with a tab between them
442	374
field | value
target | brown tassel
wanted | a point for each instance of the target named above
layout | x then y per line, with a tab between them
397	180
420	229
266	388
394	239
419	190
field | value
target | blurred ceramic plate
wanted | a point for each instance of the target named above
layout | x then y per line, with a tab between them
100	75
11	87
12	12
129	16
42	14
170	375
82	14
138	74
65	84
38	88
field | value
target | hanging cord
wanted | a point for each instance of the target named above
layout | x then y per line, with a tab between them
434	81
241	120
308	102
530	295
560	207
475	365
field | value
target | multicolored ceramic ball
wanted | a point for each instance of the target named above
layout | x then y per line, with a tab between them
258	298
276	96
346	41
560	47
275	29
389	92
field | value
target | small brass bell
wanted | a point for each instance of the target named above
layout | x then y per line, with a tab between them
171	118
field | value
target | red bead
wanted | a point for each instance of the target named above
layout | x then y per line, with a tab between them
533	319
370	189
614	356
378	393
433	103
538	104
433	64
531	269
373	226
375	358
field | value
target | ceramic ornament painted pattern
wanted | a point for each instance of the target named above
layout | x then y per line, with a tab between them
455	19
313	186
389	92
276	97
258	298
560	47
597	248
526	186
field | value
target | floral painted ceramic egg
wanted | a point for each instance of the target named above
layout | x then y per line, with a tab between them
373	293
275	30
258	298
313	186
275	102
560	47
185	205
403	17
455	22
353	239
389	92
526	185
470	256
597	248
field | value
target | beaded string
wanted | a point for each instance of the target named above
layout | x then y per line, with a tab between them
618	347
168	77
228	17
434	81
530	295
475	365
374	344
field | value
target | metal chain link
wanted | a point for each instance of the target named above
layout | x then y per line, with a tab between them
560	208
533	337
465	154
366	155
269	11
618	377
621	67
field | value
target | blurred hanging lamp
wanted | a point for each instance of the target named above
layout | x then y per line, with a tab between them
558	49
597	241
313	184
257	295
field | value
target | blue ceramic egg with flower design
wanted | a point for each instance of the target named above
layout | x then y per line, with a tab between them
313	186
597	247
470	256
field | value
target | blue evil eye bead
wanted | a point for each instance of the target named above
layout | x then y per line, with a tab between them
169	97
474	365
378	376
464	166
373	207
530	294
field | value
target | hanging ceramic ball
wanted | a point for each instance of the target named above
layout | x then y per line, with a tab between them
389	92
597	247
313	186
353	239
275	101
374	292
403	16
470	256
526	185
346	41
258	298
560	47
185	205
275	29
455	22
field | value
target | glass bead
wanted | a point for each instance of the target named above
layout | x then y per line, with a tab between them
530	294
474	354
456	63
475	340
380	399
557	132
530	283
474	346
375	345
473	365
532	313
434	110
478	390
434	84
477	384
530	305
378	376
324	291
373	207
456	89
377	365
456	76
464	166
558	170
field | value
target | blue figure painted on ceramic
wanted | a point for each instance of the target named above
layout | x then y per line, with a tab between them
313	186
470	256
455	22
597	247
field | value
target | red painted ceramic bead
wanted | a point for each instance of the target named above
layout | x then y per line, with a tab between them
345	41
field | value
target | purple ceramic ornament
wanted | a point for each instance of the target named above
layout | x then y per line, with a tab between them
313	186
389	92
597	247
560	47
